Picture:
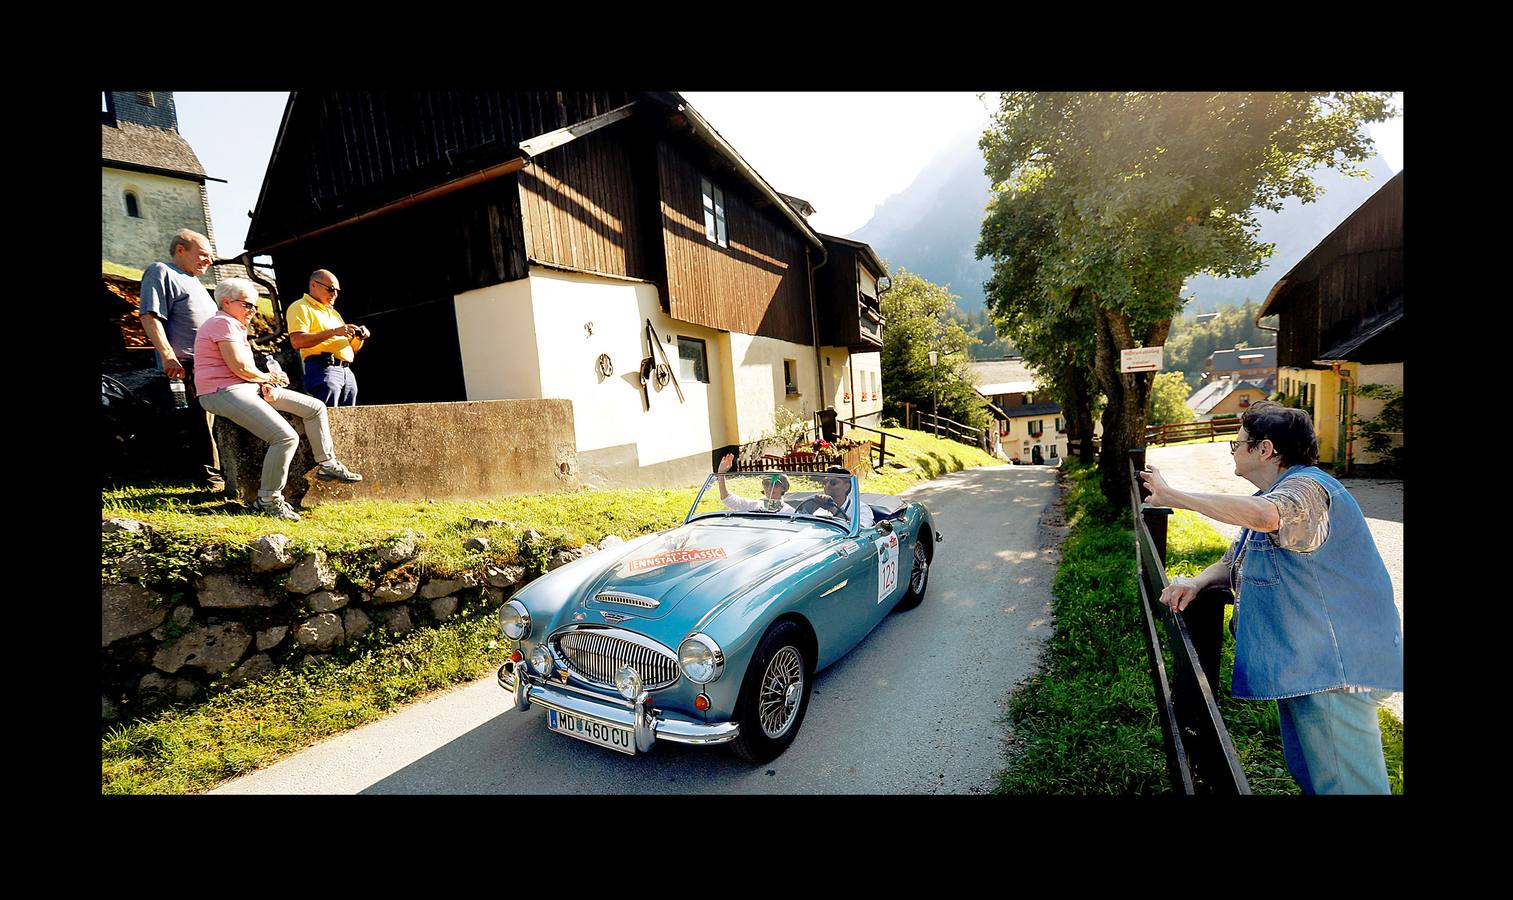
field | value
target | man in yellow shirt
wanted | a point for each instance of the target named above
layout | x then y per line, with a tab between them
326	343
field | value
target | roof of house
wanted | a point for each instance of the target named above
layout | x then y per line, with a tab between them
1210	395
1033	409
1002	376
1368	329
1243	358
800	205
868	254
1334	244
237	270
148	147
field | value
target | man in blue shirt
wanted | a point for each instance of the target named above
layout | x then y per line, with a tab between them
174	306
1316	628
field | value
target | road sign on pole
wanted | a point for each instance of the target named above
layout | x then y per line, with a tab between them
1142	359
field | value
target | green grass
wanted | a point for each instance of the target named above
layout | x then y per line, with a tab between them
926	457
192	747
1087	723
1191	546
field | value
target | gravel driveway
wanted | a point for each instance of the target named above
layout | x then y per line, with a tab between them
1208	469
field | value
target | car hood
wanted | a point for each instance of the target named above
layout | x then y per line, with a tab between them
683	573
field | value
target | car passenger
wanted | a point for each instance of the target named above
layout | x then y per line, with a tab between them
773	489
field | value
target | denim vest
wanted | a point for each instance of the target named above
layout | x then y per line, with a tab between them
1311	622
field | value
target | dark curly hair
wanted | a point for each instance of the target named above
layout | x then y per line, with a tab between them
1289	430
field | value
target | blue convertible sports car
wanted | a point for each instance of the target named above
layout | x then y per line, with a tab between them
712	632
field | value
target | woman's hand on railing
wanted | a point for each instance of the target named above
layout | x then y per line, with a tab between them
1178	595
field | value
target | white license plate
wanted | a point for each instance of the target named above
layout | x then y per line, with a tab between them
602	733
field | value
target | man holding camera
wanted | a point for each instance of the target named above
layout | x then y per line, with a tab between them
326	343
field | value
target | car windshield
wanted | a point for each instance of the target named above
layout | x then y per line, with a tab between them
820	496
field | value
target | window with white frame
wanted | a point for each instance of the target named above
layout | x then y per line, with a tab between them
714	213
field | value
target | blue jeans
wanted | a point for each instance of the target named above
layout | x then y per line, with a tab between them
1333	742
331	385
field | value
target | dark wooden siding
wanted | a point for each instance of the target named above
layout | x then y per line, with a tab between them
583	204
399	274
759	285
1352	275
344	152
836	299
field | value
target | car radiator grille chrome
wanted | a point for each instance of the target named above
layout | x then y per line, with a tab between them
596	657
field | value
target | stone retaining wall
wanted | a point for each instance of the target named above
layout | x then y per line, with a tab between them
246	616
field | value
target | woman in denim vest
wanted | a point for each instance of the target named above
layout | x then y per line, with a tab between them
1315	626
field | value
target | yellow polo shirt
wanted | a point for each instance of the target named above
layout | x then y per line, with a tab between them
312	316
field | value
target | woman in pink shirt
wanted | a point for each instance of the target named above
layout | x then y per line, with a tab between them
229	384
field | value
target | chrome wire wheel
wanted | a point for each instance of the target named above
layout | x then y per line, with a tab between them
781	693
921	569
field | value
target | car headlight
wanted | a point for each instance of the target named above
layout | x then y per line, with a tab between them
701	659
541	659
628	682
515	619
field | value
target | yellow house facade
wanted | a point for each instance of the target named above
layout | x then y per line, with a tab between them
1329	397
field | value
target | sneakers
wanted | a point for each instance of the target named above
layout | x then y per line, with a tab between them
275	506
332	470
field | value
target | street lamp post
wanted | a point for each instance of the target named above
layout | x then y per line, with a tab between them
935	391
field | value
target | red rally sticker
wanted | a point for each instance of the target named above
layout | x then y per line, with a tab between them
674	556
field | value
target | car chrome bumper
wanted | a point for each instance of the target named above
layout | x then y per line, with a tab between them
638	717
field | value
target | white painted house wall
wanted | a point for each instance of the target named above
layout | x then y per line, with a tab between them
529	339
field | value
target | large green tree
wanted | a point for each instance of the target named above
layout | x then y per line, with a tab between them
1149	188
1050	323
921	317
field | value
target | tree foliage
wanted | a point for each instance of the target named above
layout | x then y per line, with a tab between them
1169	400
921	317
1141	190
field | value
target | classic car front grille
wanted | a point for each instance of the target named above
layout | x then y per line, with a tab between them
597	657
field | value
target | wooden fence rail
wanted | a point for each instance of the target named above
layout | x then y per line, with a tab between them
1187	431
1200	757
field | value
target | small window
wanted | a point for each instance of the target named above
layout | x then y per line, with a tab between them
1037	427
133	209
693	361
145	98
791	377
714	214
1060	425
1244	400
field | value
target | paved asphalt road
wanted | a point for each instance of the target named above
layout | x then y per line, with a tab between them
917	708
1209	469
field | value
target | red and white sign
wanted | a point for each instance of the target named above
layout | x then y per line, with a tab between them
647	563
1142	359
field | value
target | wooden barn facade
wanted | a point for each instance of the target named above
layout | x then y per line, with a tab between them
546	244
1341	324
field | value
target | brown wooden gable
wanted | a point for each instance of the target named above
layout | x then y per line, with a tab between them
1354	276
340	153
589	204
759	284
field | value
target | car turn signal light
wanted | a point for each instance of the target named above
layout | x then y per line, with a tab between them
701	703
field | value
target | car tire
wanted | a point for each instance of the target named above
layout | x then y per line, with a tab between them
778	682
919	574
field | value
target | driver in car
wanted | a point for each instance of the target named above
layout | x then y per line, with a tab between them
836	500
773	489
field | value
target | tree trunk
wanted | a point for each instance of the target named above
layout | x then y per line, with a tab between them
1128	399
1079	411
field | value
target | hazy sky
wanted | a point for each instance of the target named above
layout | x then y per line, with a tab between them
834	150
